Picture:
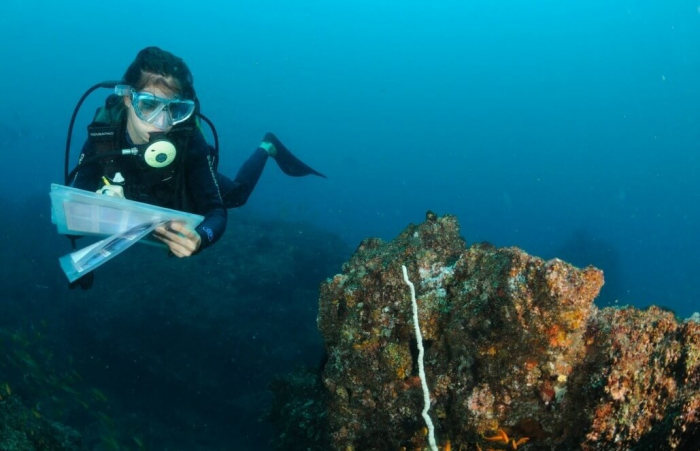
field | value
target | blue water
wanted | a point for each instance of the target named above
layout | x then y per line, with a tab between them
533	122
570	129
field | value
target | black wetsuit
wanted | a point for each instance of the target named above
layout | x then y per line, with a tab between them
209	193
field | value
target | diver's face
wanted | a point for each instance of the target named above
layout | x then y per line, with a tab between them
140	130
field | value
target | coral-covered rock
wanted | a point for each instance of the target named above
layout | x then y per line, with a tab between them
647	368
22	429
517	354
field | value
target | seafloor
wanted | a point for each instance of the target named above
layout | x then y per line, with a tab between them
223	351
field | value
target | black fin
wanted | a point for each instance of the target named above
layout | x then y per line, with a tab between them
288	163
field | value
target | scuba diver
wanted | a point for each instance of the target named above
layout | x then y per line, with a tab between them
146	145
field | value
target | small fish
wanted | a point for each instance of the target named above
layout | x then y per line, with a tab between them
7	389
36	414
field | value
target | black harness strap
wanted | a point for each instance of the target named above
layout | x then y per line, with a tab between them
104	133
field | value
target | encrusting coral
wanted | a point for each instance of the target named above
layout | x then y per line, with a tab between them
516	353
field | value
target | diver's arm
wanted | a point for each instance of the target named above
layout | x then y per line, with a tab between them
212	228
204	188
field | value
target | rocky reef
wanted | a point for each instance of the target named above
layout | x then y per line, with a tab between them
161	353
517	355
26	430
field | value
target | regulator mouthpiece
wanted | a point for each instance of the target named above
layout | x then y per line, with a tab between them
160	152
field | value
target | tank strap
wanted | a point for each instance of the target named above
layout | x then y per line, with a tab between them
104	134
104	131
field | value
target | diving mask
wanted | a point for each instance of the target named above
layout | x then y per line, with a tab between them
158	111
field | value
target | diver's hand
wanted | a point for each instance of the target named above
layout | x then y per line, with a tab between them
182	241
112	191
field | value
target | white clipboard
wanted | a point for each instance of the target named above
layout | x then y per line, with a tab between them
125	222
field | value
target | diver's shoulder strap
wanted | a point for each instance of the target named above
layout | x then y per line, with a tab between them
105	128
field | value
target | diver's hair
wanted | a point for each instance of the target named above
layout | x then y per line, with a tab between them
156	67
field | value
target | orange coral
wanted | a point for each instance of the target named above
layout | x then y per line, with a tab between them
501	437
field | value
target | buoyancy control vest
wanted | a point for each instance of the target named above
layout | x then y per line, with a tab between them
152	173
